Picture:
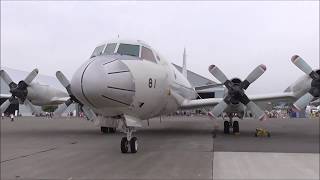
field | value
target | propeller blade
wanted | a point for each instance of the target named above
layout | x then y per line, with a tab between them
64	81
62	78
62	107
301	64
31	106
218	109
218	74
31	76
5	76
303	101
254	75
4	106
256	111
89	113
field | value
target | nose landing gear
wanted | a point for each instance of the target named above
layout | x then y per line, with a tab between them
129	142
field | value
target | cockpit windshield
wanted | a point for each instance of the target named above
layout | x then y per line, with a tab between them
128	49
110	48
97	51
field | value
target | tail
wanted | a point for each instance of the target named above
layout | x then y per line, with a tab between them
184	65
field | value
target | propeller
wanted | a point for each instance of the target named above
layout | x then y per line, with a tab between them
66	83
314	91
19	92
236	92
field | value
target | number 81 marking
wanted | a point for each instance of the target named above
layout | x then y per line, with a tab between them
152	82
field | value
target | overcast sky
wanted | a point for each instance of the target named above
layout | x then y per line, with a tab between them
236	36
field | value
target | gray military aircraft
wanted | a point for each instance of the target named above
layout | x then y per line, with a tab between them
125	82
31	93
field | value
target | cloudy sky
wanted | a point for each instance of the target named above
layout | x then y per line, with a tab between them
236	36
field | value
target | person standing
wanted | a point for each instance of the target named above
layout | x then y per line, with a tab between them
12	117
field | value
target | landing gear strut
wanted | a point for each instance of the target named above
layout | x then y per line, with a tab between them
129	142
230	124
235	127
226	127
105	130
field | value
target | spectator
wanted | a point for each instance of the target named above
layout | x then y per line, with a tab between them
12	117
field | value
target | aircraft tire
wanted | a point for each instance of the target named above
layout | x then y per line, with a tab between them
226	127
134	145
104	129
124	145
112	130
235	127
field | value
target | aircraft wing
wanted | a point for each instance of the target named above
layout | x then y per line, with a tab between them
197	88
199	103
59	100
287	97
264	100
267	101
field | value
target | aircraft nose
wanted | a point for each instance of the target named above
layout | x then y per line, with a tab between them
104	82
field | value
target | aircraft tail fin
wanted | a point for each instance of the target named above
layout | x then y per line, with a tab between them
184	65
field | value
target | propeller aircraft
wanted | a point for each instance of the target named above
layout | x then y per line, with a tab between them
125	82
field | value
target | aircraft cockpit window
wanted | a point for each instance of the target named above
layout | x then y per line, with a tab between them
97	51
110	48
147	54
128	49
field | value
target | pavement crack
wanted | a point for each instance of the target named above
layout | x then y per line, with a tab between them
28	155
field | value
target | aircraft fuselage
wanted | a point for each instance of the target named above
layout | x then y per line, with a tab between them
113	85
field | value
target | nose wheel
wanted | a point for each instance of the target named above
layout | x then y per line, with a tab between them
129	143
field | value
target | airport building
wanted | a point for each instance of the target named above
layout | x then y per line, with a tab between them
18	75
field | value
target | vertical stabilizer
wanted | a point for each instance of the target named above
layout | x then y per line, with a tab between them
184	65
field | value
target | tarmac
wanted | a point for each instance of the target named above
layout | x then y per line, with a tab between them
174	148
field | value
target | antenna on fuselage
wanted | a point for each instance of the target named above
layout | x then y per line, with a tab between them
184	65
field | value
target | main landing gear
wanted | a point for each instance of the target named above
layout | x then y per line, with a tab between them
129	142
106	130
230	124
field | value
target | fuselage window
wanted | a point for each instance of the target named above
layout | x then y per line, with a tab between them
128	49
110	48
147	54
97	51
